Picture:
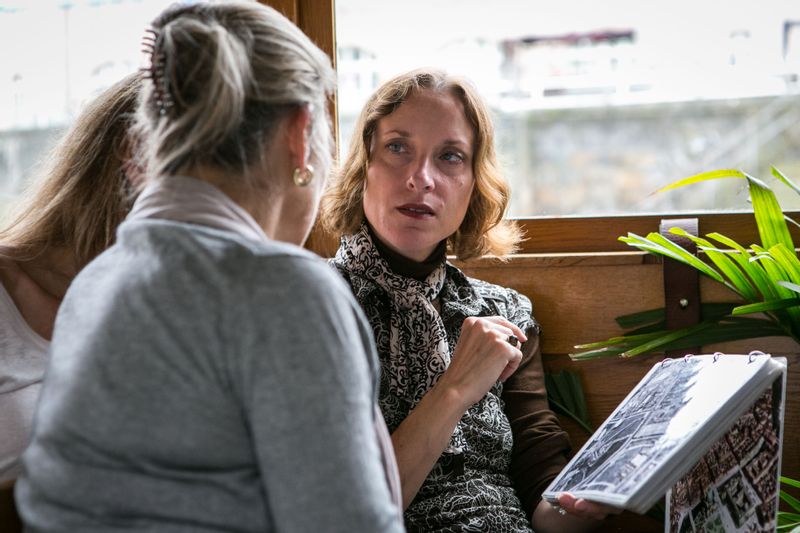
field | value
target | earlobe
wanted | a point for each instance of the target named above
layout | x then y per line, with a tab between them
297	130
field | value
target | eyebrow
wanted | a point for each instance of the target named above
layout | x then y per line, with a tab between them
446	142
401	133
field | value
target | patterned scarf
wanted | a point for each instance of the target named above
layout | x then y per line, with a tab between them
419	350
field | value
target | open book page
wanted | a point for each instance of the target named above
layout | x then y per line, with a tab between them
663	427
734	486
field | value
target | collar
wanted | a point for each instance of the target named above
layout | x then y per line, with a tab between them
194	201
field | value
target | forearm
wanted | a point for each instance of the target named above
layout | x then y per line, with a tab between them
540	445
422	437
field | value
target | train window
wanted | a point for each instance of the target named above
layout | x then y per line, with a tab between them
57	54
598	104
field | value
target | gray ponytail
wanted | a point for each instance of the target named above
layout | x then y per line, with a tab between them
223	76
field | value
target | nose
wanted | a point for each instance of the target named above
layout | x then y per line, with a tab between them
421	176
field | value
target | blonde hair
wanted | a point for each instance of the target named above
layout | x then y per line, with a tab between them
83	193
483	230
223	77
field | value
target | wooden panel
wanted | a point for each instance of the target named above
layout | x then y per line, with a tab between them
315	18
576	297
287	7
599	234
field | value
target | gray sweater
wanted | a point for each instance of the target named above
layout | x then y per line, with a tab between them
200	381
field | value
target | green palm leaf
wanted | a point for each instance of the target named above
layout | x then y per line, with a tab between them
766	276
660	245
753	269
791	482
565	394
727	265
786	181
769	217
710	332
762	307
793	502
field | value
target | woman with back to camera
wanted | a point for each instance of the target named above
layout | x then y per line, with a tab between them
68	216
204	376
421	178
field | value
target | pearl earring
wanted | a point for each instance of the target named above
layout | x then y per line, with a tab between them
302	177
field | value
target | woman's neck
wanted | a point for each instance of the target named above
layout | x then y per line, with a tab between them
52	271
400	264
37	287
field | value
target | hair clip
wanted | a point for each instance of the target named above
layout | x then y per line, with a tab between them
155	71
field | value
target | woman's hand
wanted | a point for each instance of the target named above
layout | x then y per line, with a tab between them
482	356
571	515
585	509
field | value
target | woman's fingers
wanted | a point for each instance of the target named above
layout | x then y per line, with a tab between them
482	356
585	508
512	335
510	368
515	330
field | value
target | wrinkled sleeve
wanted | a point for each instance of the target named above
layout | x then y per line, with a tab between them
540	445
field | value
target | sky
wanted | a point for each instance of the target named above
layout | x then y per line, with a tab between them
59	53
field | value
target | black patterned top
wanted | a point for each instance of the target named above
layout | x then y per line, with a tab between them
470	487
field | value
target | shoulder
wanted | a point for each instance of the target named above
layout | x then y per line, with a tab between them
499	295
286	261
503	301
198	268
222	254
301	307
300	281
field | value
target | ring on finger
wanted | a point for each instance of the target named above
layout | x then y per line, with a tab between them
513	340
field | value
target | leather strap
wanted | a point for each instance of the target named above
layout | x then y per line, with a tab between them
681	283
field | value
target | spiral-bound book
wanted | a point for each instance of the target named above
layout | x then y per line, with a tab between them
659	434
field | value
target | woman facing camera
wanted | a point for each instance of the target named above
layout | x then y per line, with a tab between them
462	386
204	375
